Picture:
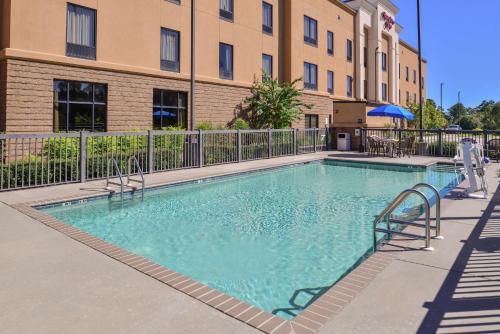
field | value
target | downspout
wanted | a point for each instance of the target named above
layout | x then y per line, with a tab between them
193	63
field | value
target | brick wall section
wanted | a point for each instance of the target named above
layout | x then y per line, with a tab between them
29	97
219	104
3	84
322	106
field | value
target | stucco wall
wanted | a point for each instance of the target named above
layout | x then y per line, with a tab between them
128	34
331	16
409	57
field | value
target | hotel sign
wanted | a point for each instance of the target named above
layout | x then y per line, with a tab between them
389	21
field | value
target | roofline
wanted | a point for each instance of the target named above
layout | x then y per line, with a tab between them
342	5
407	45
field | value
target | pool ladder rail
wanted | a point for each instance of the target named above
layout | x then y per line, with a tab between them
385	216
113	165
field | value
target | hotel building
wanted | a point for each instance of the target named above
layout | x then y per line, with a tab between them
112	65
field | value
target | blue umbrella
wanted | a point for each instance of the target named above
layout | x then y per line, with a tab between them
390	110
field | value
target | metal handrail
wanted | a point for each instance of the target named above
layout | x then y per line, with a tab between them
438	206
139	170
112	163
393	205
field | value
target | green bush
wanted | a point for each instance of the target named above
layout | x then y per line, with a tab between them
205	125
240	124
449	148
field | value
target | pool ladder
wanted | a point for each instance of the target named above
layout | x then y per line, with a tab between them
385	216
113	165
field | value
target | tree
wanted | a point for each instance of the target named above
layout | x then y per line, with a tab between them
456	112
273	104
490	117
468	122
433	116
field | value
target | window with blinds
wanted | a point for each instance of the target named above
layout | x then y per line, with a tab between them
80	32
169	50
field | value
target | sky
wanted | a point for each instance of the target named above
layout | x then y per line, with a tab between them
461	42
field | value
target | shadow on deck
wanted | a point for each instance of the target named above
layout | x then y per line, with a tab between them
469	299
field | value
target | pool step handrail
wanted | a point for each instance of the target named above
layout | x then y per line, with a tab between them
113	164
385	215
133	159
437	228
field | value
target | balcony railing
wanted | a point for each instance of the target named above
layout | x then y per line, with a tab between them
80	51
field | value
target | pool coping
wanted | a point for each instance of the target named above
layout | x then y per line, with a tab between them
309	320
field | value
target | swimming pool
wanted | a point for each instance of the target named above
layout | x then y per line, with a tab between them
275	239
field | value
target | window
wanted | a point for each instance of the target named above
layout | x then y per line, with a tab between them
399	95
365	57
329	80
79	106
384	91
312	121
384	61
414	97
399	70
407	97
414	76
365	86
310	30
267	18
169	50
169	109
349	86
177	2
349	50
407	74
267	65
422	82
226	9
310	76
329	39
225	61
80	32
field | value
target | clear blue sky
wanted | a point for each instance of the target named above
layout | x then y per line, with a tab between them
461	42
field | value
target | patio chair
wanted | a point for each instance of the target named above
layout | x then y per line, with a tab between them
405	147
375	145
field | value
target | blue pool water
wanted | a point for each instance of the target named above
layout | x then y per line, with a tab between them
275	239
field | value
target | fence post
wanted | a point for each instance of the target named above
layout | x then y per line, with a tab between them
269	143
440	142
315	139
83	156
200	148
151	148
294	139
485	140
239	146
327	138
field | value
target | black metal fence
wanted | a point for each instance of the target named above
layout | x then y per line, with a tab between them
32	160
435	142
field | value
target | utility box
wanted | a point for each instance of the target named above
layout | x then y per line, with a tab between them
343	141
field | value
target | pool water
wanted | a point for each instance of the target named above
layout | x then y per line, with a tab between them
276	239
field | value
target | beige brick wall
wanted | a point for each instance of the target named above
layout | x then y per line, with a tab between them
3	83
322	106
218	104
29	97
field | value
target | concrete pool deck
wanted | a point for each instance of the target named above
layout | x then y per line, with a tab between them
51	283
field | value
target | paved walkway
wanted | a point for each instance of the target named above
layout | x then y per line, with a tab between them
52	284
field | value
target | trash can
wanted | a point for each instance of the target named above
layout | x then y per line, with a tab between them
343	141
